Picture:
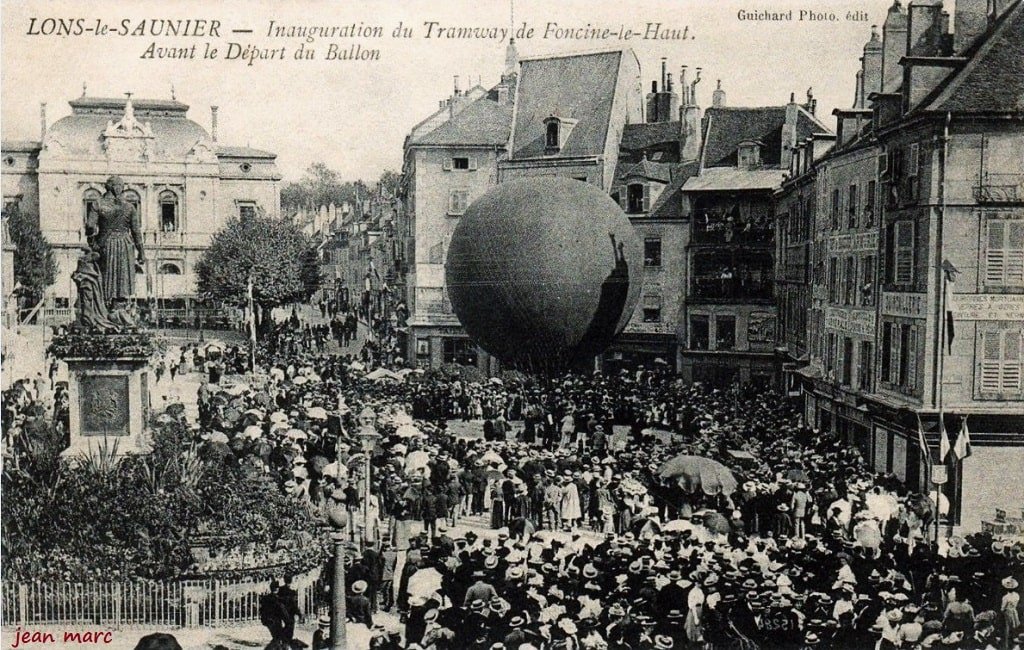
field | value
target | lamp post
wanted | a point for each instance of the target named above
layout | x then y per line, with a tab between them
337	515
368	438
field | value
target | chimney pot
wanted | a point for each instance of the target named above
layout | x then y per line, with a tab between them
213	123
42	120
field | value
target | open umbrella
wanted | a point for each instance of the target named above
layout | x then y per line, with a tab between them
408	431
317	412
693	473
796	475
253	431
716	523
677	526
424	583
416	460
382	374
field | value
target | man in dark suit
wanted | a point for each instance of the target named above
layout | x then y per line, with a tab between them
272	612
289	599
358	607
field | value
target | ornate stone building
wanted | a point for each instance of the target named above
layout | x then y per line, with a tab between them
184	183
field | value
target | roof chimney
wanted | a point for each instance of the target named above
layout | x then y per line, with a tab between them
718	96
663	64
894	47
213	123
871	68
682	84
42	120
693	88
970	20
789	131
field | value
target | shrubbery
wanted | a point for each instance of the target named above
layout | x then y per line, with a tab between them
101	519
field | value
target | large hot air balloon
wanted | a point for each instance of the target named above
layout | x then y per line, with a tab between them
544	272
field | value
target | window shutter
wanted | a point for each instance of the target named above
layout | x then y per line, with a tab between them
904	262
1010	377
990	357
624	198
912	357
446	164
647	197
912	163
995	255
472	163
894	358
1015	253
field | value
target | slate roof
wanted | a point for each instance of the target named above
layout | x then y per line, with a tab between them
642	136
649	169
670	204
993	78
731	178
81	134
579	87
243	152
483	123
726	127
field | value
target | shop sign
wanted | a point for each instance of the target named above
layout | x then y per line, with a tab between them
851	321
865	241
910	305
989	306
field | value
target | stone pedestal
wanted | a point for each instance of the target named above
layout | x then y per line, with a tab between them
109	403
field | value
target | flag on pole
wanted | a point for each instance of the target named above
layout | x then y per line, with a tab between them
925	452
949	273
943	439
962	448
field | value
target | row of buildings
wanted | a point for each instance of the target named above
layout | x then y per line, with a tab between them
777	249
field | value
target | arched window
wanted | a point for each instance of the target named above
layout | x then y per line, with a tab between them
89	200
131	196
170	268
168	211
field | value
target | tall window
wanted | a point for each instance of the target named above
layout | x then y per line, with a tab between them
900	250
869	205
1004	254
849	281
1001	370
131	196
833	280
652	251
864	366
847	361
89	200
168	211
835	209
867	281
699	332
725	332
851	208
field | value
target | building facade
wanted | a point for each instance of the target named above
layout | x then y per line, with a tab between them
920	230
730	303
184	184
450	160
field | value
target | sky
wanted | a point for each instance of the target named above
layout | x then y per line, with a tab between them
354	115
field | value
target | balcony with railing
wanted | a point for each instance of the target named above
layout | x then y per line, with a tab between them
1000	189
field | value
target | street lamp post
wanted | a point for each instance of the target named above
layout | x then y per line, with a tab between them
368	438
338	517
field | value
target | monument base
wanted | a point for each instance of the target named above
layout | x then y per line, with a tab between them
109	406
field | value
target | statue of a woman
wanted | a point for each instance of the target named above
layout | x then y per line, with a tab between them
118	242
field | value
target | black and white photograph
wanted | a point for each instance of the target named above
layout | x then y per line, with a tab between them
512	325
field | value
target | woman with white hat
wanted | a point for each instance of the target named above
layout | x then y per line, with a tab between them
1010	609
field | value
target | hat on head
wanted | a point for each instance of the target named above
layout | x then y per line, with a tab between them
663	642
811	639
477	605
359	586
1009	583
324	621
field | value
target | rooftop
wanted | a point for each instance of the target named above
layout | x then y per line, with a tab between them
484	122
727	126
731	178
578	87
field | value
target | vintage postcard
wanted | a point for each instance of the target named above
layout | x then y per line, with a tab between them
512	324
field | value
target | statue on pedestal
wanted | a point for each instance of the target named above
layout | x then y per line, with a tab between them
115	235
91	309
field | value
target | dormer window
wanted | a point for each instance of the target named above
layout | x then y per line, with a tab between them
748	155
552	140
556	133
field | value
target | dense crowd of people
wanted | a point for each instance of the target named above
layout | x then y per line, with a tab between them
596	546
601	535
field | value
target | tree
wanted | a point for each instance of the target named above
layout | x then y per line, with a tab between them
34	266
268	249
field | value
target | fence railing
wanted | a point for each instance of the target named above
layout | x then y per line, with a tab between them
184	603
